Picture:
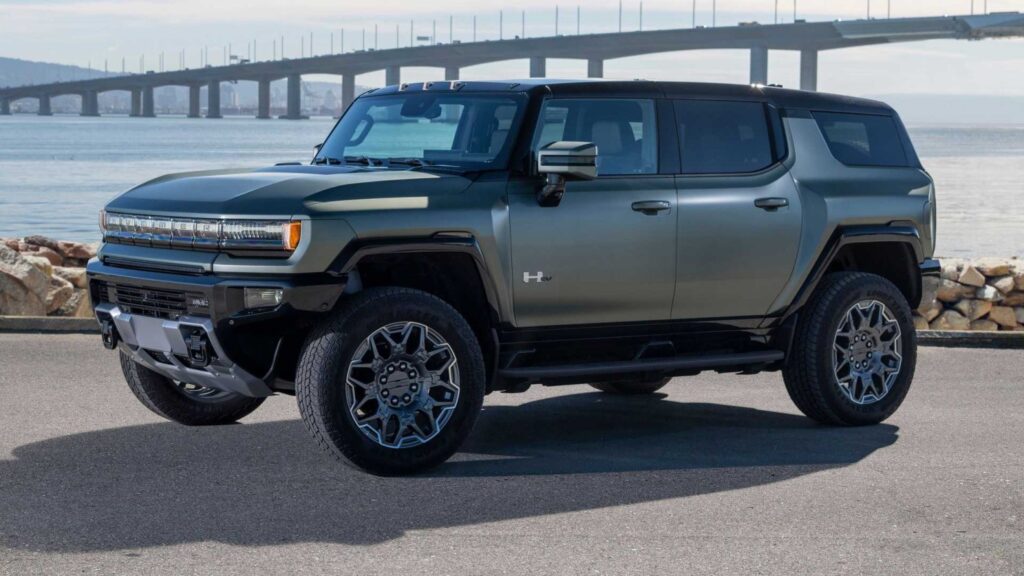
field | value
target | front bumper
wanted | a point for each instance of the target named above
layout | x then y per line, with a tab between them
195	328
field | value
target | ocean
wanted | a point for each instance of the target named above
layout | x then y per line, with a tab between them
57	172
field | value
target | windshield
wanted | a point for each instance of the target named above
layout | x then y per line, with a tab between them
469	131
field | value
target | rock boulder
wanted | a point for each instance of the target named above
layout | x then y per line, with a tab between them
984	326
973	309
74	275
1004	316
60	292
1004	284
952	291
971	277
993	266
44	265
951	320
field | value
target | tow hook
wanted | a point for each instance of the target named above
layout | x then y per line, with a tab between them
108	333
198	348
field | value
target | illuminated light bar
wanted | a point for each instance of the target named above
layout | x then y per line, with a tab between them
200	233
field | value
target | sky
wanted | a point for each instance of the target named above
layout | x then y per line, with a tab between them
105	32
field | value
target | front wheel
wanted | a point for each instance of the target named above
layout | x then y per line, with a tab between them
184	403
392	382
854	352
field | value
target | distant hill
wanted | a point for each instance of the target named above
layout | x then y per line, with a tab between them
319	97
15	72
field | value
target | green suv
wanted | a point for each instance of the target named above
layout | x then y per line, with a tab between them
452	239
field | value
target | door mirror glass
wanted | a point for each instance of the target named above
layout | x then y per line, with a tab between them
571	160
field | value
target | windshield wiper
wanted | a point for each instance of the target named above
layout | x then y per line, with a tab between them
321	160
418	163
364	160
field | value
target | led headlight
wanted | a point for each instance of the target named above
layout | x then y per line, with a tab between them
249	234
201	234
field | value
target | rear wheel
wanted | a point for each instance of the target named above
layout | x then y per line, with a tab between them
185	403
631	387
392	382
855	350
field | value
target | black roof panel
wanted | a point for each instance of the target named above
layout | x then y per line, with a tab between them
781	97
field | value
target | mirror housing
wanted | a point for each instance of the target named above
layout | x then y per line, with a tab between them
561	161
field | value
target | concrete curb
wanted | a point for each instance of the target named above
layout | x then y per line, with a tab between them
48	325
937	338
960	339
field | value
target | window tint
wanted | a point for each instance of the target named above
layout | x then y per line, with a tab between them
862	139
623	130
723	137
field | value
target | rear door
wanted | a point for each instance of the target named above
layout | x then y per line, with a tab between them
606	253
739	210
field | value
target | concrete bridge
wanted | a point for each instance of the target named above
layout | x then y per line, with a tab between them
809	38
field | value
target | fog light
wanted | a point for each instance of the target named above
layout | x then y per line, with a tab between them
263	297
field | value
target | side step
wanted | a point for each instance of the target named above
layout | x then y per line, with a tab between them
707	362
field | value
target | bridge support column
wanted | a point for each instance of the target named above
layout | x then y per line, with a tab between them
451	73
193	100
759	65
136	109
263	100
148	107
294	111
213	99
90	104
809	70
538	67
348	90
5	107
393	76
44	106
595	68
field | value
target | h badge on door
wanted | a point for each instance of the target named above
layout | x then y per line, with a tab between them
538	277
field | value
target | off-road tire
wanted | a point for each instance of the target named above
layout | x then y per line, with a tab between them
808	372
323	364
162	396
631	387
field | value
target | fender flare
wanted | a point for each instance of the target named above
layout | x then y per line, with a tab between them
904	235
355	251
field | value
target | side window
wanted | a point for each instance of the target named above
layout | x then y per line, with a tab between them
722	137
624	131
862	139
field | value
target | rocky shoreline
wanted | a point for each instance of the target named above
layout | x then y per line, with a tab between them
983	295
40	276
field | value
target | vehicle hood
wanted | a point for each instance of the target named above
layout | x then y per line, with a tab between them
317	191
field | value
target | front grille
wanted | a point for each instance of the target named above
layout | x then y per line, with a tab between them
154	302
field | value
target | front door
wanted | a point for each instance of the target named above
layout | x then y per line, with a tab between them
606	253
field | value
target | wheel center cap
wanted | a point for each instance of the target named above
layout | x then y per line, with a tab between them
399	384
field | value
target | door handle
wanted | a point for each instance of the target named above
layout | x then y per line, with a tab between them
651	207
771	204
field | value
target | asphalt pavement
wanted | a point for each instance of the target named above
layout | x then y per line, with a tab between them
719	475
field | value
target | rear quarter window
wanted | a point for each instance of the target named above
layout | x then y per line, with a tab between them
862	139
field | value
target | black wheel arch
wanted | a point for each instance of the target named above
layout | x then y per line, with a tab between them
893	252
449	266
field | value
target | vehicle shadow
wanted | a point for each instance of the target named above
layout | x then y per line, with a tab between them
266	483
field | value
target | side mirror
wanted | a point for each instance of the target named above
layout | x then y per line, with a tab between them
316	149
561	161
